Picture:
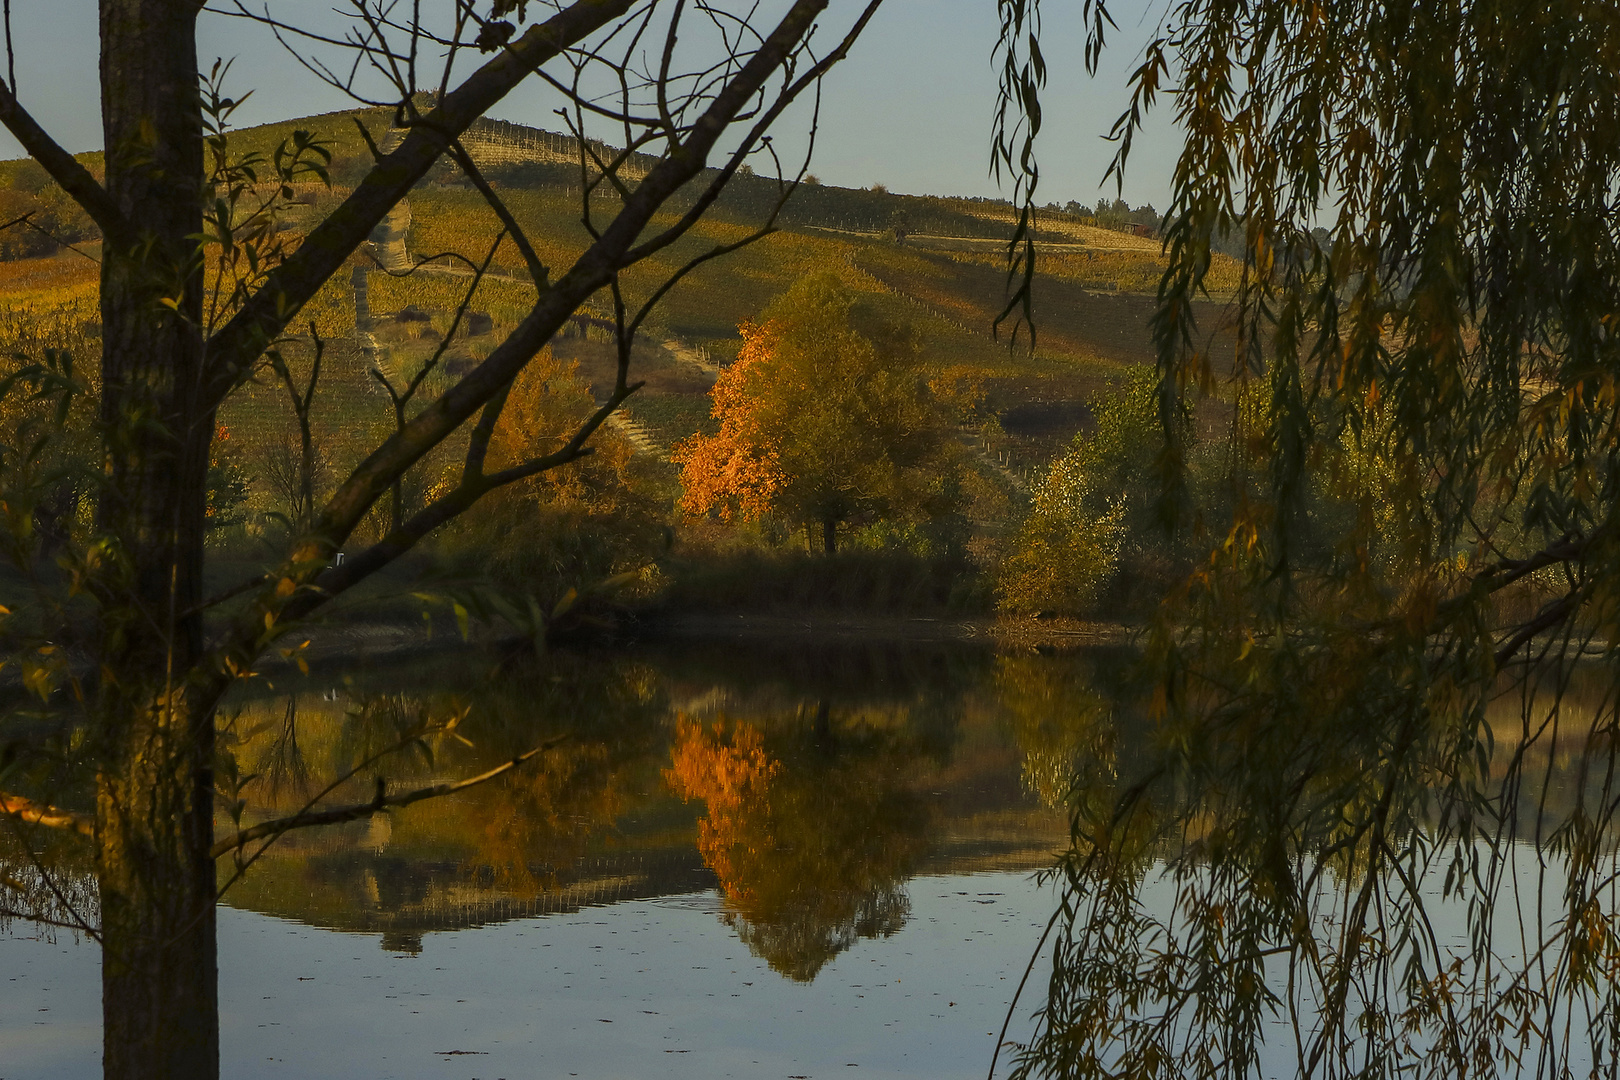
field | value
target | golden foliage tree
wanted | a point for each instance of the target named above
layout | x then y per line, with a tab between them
817	423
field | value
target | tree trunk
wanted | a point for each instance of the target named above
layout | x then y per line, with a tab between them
829	534
155	717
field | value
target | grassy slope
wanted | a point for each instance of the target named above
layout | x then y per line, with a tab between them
947	283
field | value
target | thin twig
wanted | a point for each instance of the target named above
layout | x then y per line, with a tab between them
381	802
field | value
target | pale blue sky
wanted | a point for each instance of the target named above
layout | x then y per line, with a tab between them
910	108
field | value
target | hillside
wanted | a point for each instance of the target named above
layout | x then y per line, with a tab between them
934	264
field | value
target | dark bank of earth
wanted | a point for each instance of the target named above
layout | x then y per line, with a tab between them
399	636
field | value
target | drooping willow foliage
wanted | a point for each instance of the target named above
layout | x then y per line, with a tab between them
1370	827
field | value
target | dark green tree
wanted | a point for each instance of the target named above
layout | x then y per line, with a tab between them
1385	783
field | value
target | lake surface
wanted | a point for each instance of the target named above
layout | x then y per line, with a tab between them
741	862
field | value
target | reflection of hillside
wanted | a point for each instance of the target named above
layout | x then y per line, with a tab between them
344	884
402	897
894	762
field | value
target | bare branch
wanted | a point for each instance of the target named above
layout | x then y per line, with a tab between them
593	270
761	125
1549	617
228	594
596	268
63	166
478	441
537	269
287	288
309	819
474	485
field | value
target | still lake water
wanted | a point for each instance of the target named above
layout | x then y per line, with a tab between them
744	861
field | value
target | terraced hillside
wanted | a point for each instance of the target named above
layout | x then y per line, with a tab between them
932	264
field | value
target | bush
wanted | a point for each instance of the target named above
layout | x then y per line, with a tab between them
1092	505
1066	550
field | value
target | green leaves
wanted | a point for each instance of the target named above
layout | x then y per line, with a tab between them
241	219
1418	490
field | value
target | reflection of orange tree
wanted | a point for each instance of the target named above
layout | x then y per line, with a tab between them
812	846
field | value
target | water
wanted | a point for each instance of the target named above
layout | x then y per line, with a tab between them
632	989
743	863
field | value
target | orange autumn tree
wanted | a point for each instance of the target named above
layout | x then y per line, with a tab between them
818	424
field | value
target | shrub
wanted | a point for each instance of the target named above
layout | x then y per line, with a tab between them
1066	550
1091	505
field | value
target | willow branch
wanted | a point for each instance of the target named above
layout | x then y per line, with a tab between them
356	811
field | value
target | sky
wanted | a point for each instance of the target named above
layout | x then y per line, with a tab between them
911	108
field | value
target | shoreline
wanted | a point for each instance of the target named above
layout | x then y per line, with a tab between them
394	637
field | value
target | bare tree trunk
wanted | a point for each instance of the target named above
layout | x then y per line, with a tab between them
829	535
154	802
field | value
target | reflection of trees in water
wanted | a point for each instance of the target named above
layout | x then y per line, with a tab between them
1396	886
1062	724
44	880
812	828
282	763
515	837
800	940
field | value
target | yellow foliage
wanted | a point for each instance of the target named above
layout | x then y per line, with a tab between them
811	848
816	422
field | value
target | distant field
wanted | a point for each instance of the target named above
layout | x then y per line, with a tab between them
947	281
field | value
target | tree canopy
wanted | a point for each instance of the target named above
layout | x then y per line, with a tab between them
1365	701
817	423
